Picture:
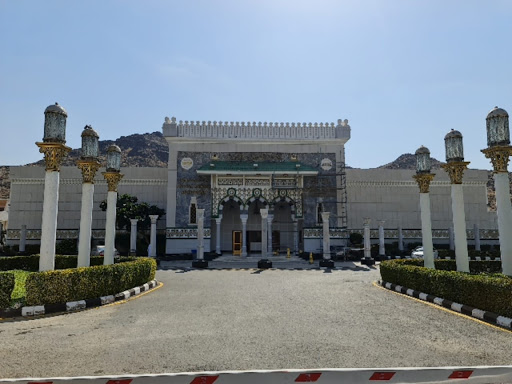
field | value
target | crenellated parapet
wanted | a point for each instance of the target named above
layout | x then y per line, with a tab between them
252	130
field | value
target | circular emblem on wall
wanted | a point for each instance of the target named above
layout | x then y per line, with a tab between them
326	164
256	192
187	163
282	192
231	192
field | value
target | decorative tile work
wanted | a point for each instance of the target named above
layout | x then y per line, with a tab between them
186	233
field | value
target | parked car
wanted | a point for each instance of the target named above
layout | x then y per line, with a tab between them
99	250
417	253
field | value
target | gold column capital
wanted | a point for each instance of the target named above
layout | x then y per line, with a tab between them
54	153
113	179
89	169
499	156
423	180
456	170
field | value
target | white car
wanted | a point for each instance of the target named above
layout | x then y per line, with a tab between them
417	253
99	250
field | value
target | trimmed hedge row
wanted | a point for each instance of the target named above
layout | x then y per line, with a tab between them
484	266
61	286
489	292
31	263
6	288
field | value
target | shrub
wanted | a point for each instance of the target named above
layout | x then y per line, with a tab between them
6	288
61	286
25	263
355	238
67	247
483	291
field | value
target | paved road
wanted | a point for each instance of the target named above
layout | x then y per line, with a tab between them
237	320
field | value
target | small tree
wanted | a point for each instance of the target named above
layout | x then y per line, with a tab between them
128	208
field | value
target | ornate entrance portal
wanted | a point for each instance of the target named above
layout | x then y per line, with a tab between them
240	189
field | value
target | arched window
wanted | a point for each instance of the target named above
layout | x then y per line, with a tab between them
192	211
319	210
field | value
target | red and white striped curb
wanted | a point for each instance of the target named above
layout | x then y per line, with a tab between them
485	374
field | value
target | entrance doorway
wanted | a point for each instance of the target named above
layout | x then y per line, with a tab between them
276	240
237	243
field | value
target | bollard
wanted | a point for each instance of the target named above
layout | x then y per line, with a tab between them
311	258
288	253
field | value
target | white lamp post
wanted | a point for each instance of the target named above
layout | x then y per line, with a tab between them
88	164
455	166
423	177
54	149
113	176
499	150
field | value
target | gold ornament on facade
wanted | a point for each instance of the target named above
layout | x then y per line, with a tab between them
499	156
113	179
423	180
455	170
54	153
89	169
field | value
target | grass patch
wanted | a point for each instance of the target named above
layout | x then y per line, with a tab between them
19	292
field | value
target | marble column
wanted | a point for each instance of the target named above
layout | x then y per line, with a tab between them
218	220
243	218
89	167
133	236
382	247
113	178
367	242
152	243
424	179
270	217
296	236
23	238
200	234
451	238
476	236
400	239
264	216
326	238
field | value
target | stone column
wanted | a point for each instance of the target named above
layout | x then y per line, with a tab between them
89	167
400	239
326	239
217	235
499	151
264	216
113	178
243	218
200	234
476	236
23	238
152	243
367	242
456	170
426	222
451	238
270	217
382	247
133	236
296	236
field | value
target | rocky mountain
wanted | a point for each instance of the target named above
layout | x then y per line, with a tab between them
5	183
138	150
408	161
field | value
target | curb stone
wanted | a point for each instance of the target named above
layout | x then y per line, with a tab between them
471	258
487	316
72	306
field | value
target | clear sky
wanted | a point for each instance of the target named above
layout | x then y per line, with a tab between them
402	72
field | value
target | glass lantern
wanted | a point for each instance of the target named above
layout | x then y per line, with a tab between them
113	159
89	143
55	124
498	132
453	146
423	162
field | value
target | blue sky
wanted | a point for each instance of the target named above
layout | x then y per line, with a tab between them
402	72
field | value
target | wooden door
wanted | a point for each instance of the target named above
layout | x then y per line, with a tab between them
237	243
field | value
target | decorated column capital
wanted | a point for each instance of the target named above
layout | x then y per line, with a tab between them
89	169
423	180
113	179
325	216
499	156
455	170
366	221
153	218
264	213
54	153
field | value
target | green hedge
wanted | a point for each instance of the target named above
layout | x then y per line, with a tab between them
489	292
61	286
6	288
484	266
31	263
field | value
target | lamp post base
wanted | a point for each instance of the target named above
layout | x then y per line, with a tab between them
327	263
199	264
368	261
264	264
